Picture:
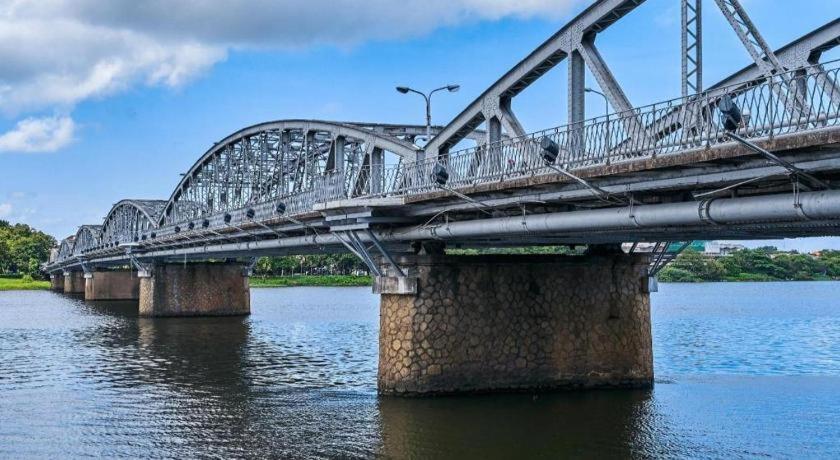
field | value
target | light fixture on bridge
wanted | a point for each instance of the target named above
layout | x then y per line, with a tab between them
153	235
191	225
227	218
550	150
280	208
205	223
730	114
250	213
440	174
177	229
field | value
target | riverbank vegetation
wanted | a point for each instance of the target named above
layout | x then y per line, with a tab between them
761	264
311	280
22	283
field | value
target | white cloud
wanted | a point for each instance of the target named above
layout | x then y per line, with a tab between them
5	209
56	53
46	134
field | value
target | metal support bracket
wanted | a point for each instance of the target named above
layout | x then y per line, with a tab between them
481	206
144	269
248	269
350	239
793	170
602	194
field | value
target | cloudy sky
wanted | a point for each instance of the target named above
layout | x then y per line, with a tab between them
103	100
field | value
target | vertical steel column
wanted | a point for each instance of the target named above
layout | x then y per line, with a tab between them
692	47
577	101
309	154
377	160
285	140
338	158
494	135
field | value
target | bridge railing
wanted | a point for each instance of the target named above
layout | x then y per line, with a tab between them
799	100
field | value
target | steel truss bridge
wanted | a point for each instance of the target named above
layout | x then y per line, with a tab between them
667	172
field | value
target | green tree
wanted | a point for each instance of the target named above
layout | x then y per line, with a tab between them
701	268
23	249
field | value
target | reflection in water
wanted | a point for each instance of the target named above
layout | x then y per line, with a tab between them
611	423
297	379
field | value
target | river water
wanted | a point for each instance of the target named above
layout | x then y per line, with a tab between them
743	370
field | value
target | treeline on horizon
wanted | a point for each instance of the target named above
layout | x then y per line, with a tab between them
760	264
23	249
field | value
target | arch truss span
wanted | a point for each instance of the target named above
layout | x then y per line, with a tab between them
128	219
87	239
65	249
273	160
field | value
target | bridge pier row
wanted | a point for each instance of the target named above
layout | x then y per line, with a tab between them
195	289
57	282
514	323
74	282
112	285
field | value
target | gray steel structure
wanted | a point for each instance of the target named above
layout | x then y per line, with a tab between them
666	172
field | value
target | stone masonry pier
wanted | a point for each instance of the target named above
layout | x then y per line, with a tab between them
57	282
74	282
510	322
112	285
195	289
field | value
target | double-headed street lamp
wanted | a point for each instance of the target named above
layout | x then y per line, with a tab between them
428	98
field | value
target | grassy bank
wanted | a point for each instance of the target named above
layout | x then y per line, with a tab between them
18	284
310	280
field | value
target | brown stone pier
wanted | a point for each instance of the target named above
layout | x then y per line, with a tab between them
112	285
57	282
74	282
195	289
510	322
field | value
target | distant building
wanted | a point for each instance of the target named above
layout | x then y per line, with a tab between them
721	248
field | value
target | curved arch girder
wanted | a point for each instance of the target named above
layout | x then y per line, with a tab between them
87	238
272	160
65	249
128	219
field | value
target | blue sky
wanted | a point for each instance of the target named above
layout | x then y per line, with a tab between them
97	105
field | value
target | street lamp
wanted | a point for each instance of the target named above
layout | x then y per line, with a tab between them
428	98
606	115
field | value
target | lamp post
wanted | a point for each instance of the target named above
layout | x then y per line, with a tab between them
606	115
428	98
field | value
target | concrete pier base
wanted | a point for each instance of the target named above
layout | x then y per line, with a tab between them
112	285
509	322
57	282
195	289
74	283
